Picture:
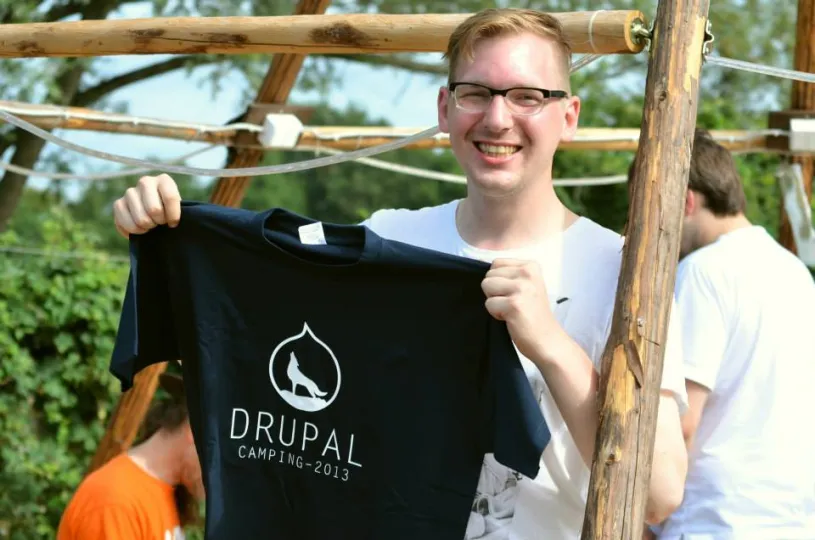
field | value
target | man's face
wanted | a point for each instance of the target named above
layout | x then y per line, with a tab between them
499	151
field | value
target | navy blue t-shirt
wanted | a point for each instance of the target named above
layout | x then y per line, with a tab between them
338	390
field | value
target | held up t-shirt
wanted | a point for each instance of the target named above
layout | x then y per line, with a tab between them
340	385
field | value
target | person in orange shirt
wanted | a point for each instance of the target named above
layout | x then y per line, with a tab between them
151	491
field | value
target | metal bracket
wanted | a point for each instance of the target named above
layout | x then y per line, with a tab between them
641	33
709	39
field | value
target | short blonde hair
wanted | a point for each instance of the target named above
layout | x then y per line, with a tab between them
495	22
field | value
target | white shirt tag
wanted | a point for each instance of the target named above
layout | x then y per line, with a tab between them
312	233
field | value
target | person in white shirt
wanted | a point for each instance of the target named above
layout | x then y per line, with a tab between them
748	309
553	276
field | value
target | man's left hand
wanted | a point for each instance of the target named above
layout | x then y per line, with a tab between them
516	294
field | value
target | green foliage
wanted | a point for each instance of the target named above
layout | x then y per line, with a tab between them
58	320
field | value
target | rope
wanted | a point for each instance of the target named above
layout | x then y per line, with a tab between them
96	176
236	172
585	60
460	179
762	69
55	111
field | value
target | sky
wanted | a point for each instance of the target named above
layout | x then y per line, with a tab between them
402	98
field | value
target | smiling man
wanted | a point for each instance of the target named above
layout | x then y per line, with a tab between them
553	277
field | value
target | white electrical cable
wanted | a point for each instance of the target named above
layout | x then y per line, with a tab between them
55	111
97	176
760	68
236	172
460	179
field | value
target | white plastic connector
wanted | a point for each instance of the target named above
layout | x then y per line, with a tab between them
802	135
280	131
797	205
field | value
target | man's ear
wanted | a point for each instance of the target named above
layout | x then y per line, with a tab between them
691	202
441	104
570	118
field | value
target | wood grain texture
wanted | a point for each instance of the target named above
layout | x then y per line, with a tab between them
604	32
803	98
345	137
621	467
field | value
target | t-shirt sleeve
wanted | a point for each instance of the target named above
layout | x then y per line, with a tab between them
704	333
519	432
146	333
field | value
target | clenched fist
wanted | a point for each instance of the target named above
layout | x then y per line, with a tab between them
516	294
153	201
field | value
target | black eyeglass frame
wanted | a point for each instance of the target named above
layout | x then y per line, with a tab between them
547	94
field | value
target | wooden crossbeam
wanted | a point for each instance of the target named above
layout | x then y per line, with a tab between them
602	32
632	360
133	404
345	137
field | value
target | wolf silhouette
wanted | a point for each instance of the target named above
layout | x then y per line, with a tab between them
298	379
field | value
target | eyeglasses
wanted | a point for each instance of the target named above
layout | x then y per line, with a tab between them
522	101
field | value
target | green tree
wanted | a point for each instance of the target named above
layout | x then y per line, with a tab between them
58	321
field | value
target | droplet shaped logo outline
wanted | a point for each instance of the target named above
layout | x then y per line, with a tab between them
299	403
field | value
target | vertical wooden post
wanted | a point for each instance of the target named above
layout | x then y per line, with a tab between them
803	98
133	405
632	361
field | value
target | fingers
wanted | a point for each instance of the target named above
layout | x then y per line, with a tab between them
499	307
154	200
499	286
135	208
170	198
147	203
123	220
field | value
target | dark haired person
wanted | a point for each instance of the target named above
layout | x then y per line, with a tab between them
149	492
747	307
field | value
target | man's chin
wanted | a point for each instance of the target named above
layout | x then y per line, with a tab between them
495	183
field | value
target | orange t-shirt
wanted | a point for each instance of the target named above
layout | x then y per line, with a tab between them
120	501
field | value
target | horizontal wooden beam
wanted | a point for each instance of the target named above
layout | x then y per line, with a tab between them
782	121
602	32
335	137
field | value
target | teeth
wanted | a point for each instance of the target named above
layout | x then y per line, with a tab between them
501	150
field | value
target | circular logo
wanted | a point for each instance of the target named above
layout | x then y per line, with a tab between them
305	372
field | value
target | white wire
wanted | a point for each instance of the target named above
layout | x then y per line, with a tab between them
55	111
236	172
96	176
460	179
760	68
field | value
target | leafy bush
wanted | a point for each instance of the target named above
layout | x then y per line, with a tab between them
58	322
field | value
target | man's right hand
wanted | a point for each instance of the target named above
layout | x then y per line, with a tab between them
153	201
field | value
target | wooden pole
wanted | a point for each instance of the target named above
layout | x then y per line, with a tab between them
602	32
803	98
127	416
632	361
133	405
336	137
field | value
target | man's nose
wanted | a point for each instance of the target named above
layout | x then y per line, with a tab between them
497	116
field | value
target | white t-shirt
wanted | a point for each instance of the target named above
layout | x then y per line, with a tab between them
749	318
581	269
